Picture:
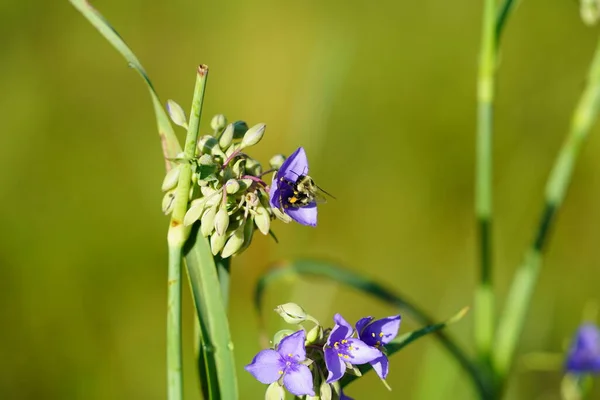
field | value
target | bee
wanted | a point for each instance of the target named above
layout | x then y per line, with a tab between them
303	192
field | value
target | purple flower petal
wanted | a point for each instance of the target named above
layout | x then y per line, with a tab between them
293	345
584	354
299	381
360	352
294	166
304	215
340	331
381	331
335	365
360	325
274	193
381	366
266	366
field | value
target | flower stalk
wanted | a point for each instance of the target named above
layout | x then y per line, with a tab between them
176	238
520	294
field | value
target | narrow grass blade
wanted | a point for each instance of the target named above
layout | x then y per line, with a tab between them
404	340
170	145
322	269
206	291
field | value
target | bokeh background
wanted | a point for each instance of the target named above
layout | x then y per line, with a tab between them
382	96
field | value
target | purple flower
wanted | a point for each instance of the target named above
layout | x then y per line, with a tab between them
341	348
282	194
269	365
377	334
584	354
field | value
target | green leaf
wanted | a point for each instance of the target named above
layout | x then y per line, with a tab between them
170	145
404	340
217	350
322	269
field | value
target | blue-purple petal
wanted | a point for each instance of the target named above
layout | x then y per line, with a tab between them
381	366
361	353
584	354
335	365
294	345
340	331
266	366
274	193
299	381
294	166
387	326
304	215
362	323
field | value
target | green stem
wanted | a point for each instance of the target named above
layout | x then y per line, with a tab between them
503	14
484	296
176	238
519	297
223	270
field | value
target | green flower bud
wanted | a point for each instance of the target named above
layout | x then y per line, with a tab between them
217	242
239	168
176	113
232	186
218	122
209	145
234	243
276	161
275	392
281	216
325	391
171	178
315	334
291	313
226	137
193	214
240	128
207	222
206	159
253	135
589	11
167	201
279	336
221	221
253	167
262	219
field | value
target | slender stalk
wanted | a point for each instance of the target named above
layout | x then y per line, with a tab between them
484	295
519	297
176	238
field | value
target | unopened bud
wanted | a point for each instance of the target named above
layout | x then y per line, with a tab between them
171	178
208	144
291	313
216	243
207	222
239	168
176	113
234	243
193	214
232	186
262	220
253	167
221	221
218	122
226	137
315	334
280	335
206	159
253	135
281	215
276	161
240	128
325	391
167	201
275	392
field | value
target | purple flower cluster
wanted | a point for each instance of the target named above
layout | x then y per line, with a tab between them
298	364
584	353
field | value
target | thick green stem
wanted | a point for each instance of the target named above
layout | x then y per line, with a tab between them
177	236
484	297
520	294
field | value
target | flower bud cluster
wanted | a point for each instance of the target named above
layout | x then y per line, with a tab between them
311	362
227	196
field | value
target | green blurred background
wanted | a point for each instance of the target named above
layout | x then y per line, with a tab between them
381	94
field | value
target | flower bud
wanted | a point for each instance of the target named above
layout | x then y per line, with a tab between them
281	216
239	168
262	220
234	243
217	242
253	167
276	161
209	145
193	214
221	221
207	222
206	159
589	11
226	137
240	128
218	122
232	186
315	334
275	392
176	113
279	336
253	135
171	178
291	313
167	201
325	391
